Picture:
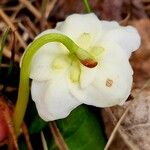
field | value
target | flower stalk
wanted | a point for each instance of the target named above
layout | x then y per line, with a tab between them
86	6
23	93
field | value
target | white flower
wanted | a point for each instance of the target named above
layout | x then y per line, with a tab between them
60	82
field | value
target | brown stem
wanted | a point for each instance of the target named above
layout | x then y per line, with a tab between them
26	136
57	136
7	53
30	7
30	24
50	6
10	24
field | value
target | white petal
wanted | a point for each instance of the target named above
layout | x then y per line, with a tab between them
127	37
41	62
99	94
120	89
87	75
112	65
58	25
77	24
38	89
106	26
109	25
57	101
113	54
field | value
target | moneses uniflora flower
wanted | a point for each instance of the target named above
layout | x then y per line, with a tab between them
60	82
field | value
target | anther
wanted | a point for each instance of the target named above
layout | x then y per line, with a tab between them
109	82
90	63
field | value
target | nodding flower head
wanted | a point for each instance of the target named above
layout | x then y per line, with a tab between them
61	82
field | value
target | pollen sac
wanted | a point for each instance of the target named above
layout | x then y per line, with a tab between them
89	63
109	82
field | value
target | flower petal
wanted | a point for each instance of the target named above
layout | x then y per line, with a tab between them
57	102
113	66
87	76
75	25
108	84
110	87
38	89
41	62
113	54
127	37
106	26
109	25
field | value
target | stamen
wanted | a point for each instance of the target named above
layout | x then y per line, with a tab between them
75	71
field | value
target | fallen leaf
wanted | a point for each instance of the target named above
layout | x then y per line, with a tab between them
141	58
134	131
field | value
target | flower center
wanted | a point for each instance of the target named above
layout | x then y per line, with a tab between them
86	42
60	62
72	62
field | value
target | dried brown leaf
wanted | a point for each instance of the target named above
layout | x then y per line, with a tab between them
141	58
117	9
134	130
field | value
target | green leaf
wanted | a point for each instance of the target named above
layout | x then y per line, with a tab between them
37	125
81	131
21	143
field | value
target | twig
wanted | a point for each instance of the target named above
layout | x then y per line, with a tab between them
123	116
57	136
124	22
43	22
26	136
50	6
26	30
31	25
121	131
43	7
10	24
17	10
146	1
147	7
3	42
30	7
4	65
9	88
11	63
44	144
7	53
